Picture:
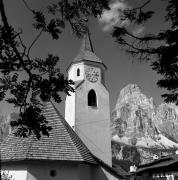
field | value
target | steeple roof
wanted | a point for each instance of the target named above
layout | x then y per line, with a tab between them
86	43
62	144
86	51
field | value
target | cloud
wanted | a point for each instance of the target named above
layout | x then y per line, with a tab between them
112	17
138	30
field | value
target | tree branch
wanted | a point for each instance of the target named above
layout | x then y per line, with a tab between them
143	5
34	41
11	43
7	28
140	50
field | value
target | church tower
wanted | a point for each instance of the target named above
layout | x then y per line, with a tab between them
88	109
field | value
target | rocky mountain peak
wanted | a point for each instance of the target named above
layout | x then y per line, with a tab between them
133	113
132	94
130	89
166	119
136	121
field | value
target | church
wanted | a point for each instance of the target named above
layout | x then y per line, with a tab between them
79	145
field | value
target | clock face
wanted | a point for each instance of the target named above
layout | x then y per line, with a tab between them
92	74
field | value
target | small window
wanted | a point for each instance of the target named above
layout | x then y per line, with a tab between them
78	72
52	173
92	100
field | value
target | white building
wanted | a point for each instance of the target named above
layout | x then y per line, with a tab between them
88	109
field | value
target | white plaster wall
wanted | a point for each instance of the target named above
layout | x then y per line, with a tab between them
93	124
40	170
64	171
101	173
17	172
70	100
84	172
70	109
72	73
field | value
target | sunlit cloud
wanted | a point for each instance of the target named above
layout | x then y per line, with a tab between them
112	17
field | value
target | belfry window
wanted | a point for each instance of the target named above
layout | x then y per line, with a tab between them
92	100
78	72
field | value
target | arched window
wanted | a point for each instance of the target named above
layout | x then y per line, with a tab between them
92	100
78	72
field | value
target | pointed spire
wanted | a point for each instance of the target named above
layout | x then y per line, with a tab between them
86	51
86	43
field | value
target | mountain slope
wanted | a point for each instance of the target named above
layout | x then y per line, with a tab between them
137	122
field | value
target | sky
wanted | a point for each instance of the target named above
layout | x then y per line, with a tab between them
122	69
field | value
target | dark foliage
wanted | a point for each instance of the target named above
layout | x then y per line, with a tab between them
26	81
124	164
76	13
159	49
116	148
131	153
31	122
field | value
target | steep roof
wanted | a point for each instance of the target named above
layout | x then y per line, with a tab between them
62	144
86	51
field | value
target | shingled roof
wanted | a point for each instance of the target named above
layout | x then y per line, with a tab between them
62	144
86	51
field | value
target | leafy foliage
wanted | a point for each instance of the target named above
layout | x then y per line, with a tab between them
129	153
32	121
124	164
77	12
159	49
26	81
116	148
